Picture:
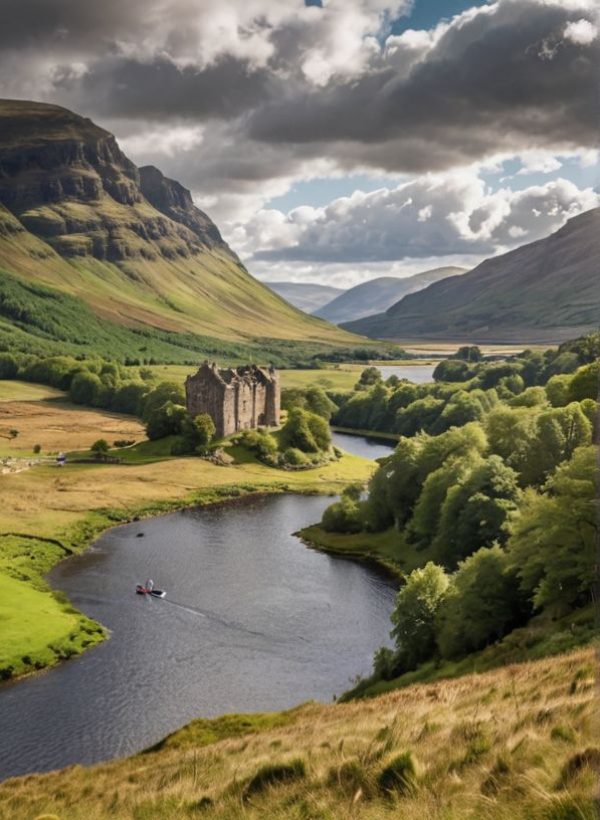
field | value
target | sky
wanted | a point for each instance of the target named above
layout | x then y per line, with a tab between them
334	141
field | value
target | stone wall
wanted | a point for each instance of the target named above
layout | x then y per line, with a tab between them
239	399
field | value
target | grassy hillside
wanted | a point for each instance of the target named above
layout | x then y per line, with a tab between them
78	217
519	742
379	294
545	292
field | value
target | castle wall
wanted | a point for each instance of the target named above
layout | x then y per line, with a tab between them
236	400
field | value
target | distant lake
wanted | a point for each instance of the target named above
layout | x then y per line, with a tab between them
253	620
418	373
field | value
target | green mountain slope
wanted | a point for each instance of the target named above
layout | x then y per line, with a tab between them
78	217
547	291
379	294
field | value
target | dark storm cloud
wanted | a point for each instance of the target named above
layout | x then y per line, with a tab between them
276	86
158	89
487	88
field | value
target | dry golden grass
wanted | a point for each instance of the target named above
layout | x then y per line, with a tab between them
518	742
57	425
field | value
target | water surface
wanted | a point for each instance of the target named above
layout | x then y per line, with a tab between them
417	373
253	621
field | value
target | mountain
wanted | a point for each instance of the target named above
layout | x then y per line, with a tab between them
85	233
304	295
378	294
547	291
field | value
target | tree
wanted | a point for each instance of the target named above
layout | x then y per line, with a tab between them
305	431
552	547
9	366
100	448
166	420
317	401
84	388
423	525
475	512
161	394
468	353
585	383
512	434
559	432
451	370
368	377
484	604
198	431
414	616
342	516
557	390
129	397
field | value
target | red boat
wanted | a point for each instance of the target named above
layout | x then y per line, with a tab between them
148	589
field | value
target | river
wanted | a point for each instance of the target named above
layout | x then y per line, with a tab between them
253	620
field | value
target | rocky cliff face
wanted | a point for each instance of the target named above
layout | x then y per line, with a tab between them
170	198
67	182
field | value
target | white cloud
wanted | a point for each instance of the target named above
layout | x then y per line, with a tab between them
582	32
436	215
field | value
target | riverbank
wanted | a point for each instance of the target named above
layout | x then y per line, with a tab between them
389	550
518	742
50	513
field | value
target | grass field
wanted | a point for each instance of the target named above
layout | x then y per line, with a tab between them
24	391
518	743
334	377
55	424
47	512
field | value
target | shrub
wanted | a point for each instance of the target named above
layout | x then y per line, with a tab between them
274	774
37	448
100	448
295	457
399	775
351	776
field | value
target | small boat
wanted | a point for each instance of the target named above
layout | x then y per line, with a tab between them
148	589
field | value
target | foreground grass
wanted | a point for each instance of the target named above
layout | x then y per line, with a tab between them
518	742
49	513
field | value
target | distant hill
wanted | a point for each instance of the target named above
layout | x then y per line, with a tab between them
89	240
547	291
378	294
305	295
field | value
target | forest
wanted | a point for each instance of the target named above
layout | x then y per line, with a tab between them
493	484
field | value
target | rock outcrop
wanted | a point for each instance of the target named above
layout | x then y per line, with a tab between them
68	182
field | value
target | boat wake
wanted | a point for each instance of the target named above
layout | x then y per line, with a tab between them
212	616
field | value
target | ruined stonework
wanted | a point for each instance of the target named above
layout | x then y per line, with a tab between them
236	398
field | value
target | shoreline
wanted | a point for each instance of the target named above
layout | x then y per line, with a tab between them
130	517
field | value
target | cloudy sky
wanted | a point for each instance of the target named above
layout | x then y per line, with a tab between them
337	140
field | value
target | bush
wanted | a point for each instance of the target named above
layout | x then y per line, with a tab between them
399	775
274	774
166	420
37	448
342	516
100	448
295	457
305	431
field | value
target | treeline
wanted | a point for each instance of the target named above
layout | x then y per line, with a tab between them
459	396
500	502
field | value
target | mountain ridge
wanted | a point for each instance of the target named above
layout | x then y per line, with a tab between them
78	216
307	296
546	291
378	294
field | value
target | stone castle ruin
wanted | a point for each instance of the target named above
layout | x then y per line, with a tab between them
238	398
